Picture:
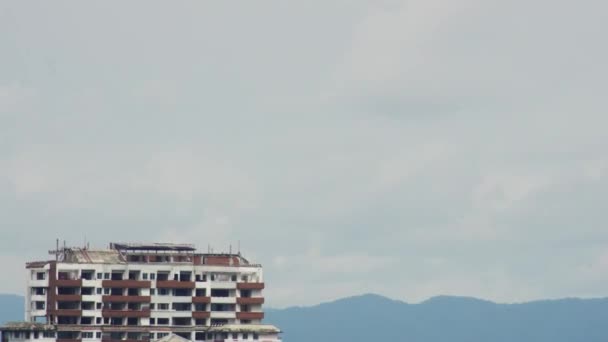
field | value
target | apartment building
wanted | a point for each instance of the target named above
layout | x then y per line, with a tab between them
142	292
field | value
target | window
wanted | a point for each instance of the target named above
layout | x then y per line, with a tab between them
99	275
255	336
163	292
161	335
245	336
87	274
40	276
87	334
48	334
152	305
98	334
199	336
87	305
145	276
152	292
152	321
152	276
106	291
235	336
106	276
182	306
87	291
97	320
38	291
162	321
163	306
99	290
98	306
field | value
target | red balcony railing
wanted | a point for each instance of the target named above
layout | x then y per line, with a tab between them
68	298
125	313
66	312
201	300
68	282
174	284
250	286
250	315
132	284
126	299
250	300
201	314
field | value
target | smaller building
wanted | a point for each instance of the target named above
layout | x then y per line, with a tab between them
27	331
37	332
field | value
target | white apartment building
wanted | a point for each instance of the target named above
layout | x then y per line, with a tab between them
142	292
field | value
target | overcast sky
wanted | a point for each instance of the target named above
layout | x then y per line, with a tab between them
408	148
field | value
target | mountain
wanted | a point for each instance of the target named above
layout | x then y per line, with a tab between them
11	308
439	319
454	319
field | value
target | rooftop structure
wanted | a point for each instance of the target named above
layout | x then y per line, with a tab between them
142	292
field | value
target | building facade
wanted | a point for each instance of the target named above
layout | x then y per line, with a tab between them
143	292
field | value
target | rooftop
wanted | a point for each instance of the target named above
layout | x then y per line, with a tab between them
246	328
172	338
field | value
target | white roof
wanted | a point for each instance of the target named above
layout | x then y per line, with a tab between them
173	338
247	328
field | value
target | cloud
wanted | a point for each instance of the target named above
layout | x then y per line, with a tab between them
410	148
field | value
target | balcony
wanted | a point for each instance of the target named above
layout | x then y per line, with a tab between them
125	313
126	299
68	340
201	300
223	300
68	282
132	284
250	300
250	286
175	284
250	315
201	314
66	312
68	298
223	314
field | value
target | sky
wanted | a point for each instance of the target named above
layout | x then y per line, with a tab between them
410	148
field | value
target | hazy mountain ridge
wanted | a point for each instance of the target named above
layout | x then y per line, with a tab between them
438	319
11	308
445	318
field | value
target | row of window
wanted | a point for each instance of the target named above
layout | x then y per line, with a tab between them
86	291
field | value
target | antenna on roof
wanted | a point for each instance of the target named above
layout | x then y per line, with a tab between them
57	250
239	247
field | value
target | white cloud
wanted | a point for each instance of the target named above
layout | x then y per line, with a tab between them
410	148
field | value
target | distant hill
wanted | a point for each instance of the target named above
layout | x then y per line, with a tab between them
454	319
11	308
